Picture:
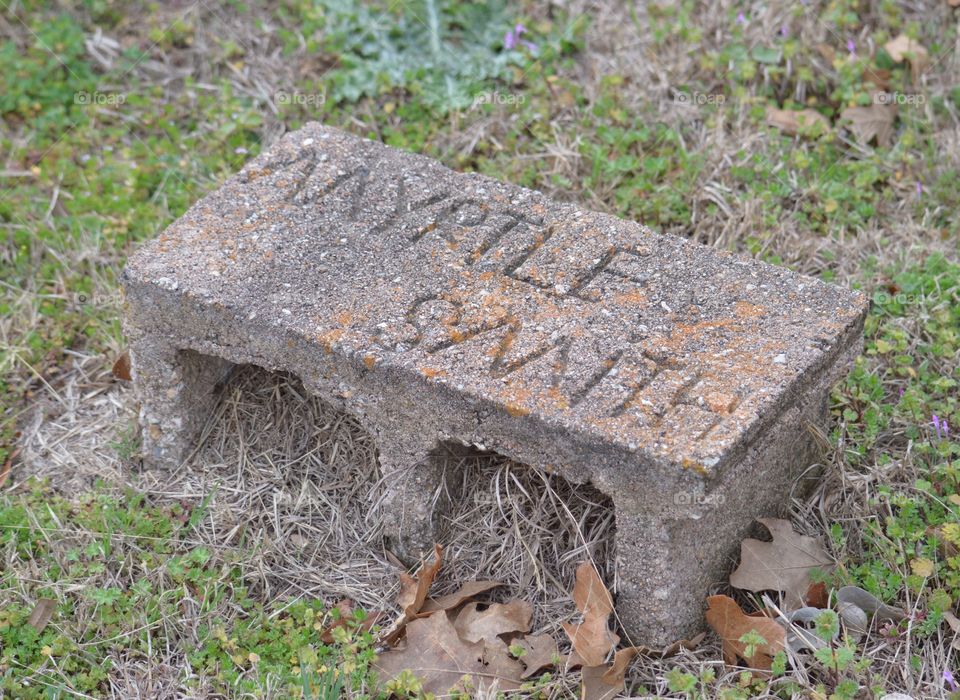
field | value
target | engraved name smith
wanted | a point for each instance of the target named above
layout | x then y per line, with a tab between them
508	286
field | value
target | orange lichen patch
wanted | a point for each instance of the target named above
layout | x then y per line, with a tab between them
344	318
516	410
721	403
431	372
559	400
516	400
487	276
327	339
694	465
745	309
633	297
538	209
255	174
370	361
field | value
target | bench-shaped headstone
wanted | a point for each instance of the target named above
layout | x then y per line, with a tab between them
436	306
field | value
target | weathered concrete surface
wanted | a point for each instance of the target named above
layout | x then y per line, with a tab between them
439	306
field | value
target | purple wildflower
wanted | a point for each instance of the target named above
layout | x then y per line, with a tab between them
919	189
852	47
512	38
948	679
902	389
936	425
784	30
741	19
945	428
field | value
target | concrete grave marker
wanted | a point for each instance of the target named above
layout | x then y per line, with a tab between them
438	306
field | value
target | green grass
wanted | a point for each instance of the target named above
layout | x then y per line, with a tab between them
149	556
104	159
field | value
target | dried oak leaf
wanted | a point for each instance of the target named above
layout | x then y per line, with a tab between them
904	48
792	121
730	623
540	652
121	366
414	589
595	686
783	564
413	593
42	613
875	121
817	596
592	639
589	594
465	593
474	625
671	649
954	624
436	655
878	76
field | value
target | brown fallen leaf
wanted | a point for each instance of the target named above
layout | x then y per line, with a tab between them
594	686
953	622
592	639
904	48
671	649
783	564
730	623
121	366
609	683
589	594
878	76
617	669
817	596
540	652
875	121
605	682
436	655
41	614
465	593
474	625
827	51
414	589
791	121
951	619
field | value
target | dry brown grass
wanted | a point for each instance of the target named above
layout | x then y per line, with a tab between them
290	489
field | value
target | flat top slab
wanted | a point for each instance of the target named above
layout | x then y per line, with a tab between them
578	319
